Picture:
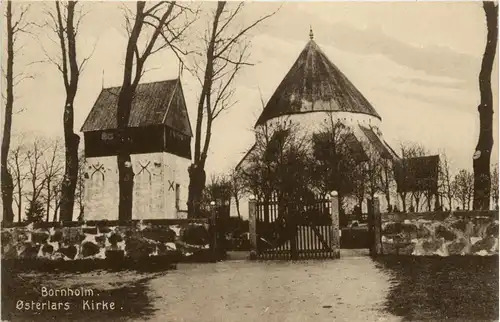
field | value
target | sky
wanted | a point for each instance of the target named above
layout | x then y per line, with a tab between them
417	63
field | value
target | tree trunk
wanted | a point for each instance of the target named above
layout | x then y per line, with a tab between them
388	199
237	203
48	201
126	184
19	207
482	156
437	202
197	179
71	140
197	174
403	200
125	170
7	195
387	187
417	203
81	215
125	98
68	186
56	209
7	185
429	201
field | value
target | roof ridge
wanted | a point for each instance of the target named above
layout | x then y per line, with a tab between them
170	100
148	83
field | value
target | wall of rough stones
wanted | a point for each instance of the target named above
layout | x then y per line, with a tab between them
102	239
441	234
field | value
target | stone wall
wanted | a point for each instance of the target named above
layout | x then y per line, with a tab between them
441	234
103	239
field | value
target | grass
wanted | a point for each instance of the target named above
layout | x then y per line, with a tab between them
442	288
130	295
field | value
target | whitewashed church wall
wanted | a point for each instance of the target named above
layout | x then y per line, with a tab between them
176	172
149	187
156	176
101	193
314	122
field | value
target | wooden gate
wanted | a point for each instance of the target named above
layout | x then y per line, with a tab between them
295	230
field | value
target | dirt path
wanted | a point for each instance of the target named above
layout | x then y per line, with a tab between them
349	289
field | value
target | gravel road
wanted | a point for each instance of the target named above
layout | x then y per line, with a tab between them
348	289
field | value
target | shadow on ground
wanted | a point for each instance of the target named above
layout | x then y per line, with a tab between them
439	288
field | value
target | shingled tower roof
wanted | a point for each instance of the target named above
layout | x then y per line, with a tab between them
156	103
314	83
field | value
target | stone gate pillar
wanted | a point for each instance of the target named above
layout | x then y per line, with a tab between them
375	227
335	232
252	226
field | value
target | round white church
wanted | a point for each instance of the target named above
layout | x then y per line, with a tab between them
315	90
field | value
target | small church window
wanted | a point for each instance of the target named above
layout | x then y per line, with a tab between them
106	136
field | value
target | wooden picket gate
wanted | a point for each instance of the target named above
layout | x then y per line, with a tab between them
307	232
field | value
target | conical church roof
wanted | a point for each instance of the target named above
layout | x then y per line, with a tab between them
314	83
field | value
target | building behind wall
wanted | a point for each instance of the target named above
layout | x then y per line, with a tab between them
159	135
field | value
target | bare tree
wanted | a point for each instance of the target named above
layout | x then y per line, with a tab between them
463	188
359	185
373	169
36	179
17	167
417	150
366	176
336	161
261	173
225	53
409	150
482	155
53	169
65	21
257	171
277	166
386	179
219	190
80	186
445	180
237	188
16	24
157	26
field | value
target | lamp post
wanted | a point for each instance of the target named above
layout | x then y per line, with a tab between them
336	232
213	227
376	227
252	226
